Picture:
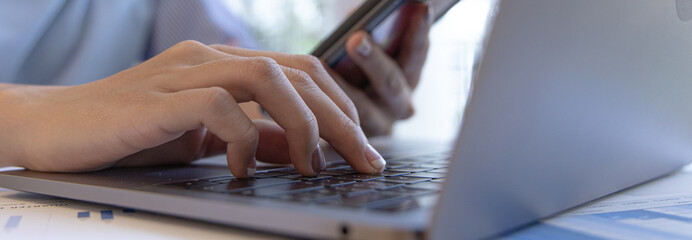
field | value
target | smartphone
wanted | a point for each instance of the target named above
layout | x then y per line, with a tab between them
385	20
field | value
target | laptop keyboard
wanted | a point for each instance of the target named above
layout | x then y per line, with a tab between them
405	184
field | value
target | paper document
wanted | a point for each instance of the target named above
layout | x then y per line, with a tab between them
661	209
35	216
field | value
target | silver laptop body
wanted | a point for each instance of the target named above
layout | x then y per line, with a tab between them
571	101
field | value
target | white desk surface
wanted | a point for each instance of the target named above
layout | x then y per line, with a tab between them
34	216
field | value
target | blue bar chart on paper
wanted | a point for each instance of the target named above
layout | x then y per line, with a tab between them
671	222
33	216
13	222
106	214
27	216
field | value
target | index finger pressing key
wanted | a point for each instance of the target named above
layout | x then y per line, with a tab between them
335	126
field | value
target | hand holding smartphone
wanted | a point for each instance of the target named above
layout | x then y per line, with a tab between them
397	31
385	20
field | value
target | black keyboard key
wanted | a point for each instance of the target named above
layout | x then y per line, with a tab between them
239	184
427	175
395	165
405	179
429	185
411	169
394	156
365	187
327	181
318	177
299	177
218	178
318	195
361	200
378	185
350	190
396	196
409	161
333	182
406	204
359	177
408	192
287	171
387	173
292	175
282	169
338	166
269	174
190	184
281	189
339	172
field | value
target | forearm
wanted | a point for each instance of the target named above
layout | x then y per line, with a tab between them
20	126
4	86
8	125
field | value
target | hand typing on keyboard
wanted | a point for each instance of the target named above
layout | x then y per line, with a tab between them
182	105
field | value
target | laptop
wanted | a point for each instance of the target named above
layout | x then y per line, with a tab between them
571	101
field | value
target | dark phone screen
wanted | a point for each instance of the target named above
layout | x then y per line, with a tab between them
387	33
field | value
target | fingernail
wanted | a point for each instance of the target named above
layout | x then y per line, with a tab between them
374	158
364	48
252	168
318	161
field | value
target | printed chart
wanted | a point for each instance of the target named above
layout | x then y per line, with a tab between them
35	216
672	222
661	209
31	215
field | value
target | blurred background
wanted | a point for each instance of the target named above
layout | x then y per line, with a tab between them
297	26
